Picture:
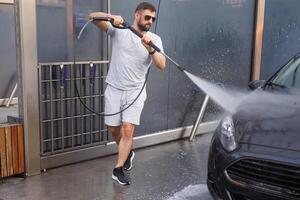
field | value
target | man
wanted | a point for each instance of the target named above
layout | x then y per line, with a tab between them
130	60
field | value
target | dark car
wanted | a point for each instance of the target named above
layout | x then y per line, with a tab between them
255	151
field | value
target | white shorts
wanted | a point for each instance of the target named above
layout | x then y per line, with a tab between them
116	100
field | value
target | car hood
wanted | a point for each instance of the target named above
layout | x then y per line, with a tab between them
272	121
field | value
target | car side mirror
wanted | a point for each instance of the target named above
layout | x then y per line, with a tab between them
256	84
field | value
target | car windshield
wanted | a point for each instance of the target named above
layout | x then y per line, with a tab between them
289	76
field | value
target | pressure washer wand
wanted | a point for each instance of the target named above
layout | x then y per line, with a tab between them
93	72
174	62
126	25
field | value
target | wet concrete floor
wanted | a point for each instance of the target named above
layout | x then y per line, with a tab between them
171	171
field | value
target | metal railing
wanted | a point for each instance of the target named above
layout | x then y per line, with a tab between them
202	111
65	124
199	118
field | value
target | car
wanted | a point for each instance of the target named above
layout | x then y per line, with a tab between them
255	151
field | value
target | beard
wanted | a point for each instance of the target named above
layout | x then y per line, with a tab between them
144	27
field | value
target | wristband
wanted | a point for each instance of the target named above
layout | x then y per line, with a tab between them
152	52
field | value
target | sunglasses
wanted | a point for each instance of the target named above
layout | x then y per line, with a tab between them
148	17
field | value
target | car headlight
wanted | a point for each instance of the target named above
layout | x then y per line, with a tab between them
227	134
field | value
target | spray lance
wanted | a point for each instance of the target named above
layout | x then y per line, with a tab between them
125	25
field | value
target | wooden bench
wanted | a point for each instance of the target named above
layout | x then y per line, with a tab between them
12	158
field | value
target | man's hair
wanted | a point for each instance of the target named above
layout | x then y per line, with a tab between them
145	6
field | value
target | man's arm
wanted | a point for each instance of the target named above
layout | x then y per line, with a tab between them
159	60
117	20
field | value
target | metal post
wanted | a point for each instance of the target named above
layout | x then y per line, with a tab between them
199	118
26	44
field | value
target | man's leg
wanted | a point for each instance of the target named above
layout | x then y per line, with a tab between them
125	143
115	132
118	173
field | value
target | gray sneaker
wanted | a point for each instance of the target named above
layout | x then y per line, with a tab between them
119	175
128	162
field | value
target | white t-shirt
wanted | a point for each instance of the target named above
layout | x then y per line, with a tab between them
129	60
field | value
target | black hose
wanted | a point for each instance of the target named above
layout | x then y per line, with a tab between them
125	26
111	114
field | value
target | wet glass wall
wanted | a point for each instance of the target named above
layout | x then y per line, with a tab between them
281	34
58	25
66	123
212	39
8	64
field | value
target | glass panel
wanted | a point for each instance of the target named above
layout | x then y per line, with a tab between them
58	25
281	35
8	64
